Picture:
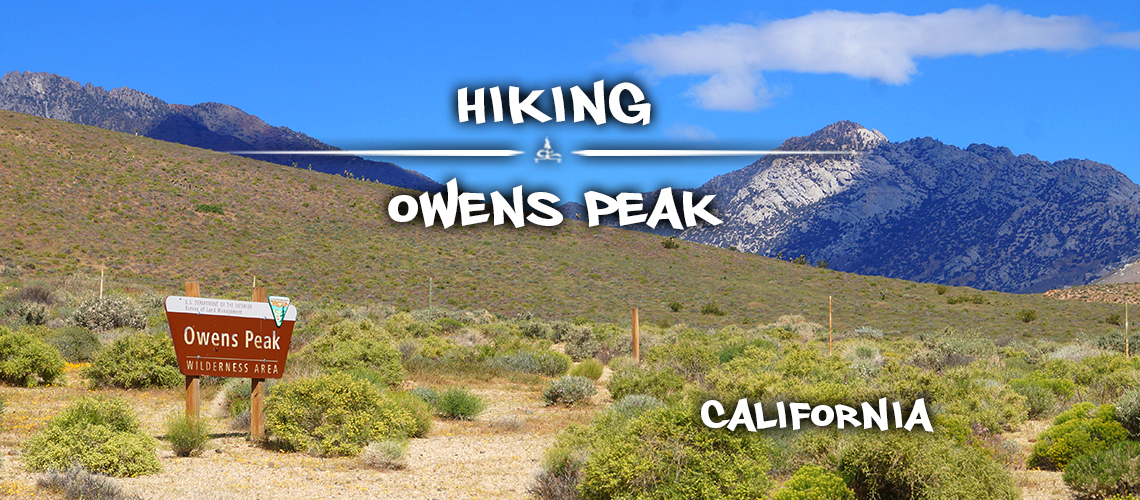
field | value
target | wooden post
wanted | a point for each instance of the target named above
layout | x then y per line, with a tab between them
829	327
636	339
257	410
1126	353
101	284
257	388
193	396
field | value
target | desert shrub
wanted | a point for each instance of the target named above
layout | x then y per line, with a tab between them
334	414
385	454
76	344
32	313
941	289
568	390
867	332
99	434
623	343
657	383
536	330
1080	430
460	404
427	394
712	308
136	362
210	208
551	485
732	351
187	434
896	465
589	368
676	306
351	345
1027	315
37	293
108	313
1114	319
24	358
690	358
1112	340
419	409
76	483
813	482
549	363
949	348
976	298
1102	474
1128	411
635	404
580	341
1041	393
670	243
668	453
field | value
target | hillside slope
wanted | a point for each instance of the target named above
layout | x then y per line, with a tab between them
75	199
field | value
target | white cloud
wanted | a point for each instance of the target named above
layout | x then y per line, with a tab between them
691	133
881	46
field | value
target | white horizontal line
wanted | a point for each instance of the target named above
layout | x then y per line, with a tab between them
391	152
698	152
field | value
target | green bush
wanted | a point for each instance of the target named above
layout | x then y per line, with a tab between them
427	394
589	368
941	289
136	362
213	208
670	243
549	363
331	415
351	345
669	453
900	465
75	343
458	403
1102	474
76	483
712	308
1128	412
108	313
635	404
580	341
812	482
657	383
32	313
676	306
100	434
568	390
419	409
1027	315
1080	430
25	357
976	298
187	434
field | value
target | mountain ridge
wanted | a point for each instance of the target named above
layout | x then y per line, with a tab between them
215	126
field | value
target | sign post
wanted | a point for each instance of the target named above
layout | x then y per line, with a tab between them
193	396
229	338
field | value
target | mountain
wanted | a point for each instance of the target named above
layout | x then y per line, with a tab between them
215	126
927	211
77	200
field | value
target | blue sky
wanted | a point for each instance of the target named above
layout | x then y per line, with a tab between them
718	74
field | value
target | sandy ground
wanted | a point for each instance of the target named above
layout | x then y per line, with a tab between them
494	456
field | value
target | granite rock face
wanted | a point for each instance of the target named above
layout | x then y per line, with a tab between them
927	211
215	126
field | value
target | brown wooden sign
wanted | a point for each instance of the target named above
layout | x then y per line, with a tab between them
229	338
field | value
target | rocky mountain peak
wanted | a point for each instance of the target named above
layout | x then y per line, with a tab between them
839	136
